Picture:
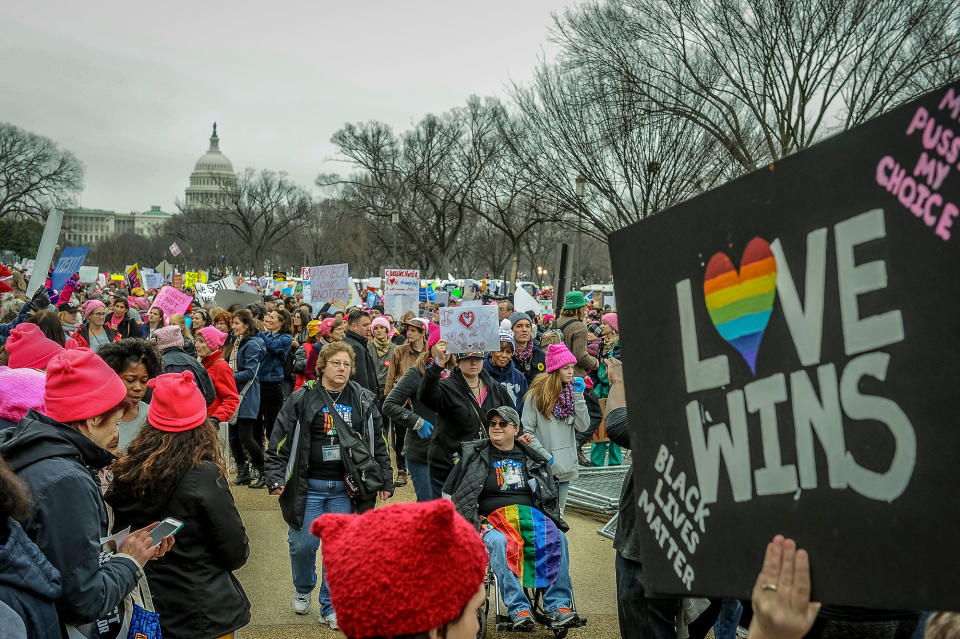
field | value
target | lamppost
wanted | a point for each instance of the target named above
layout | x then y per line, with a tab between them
395	219
580	183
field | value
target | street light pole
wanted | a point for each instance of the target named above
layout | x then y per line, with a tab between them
395	219
580	184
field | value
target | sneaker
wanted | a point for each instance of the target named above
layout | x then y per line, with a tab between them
522	621
401	479
301	603
560	617
330	620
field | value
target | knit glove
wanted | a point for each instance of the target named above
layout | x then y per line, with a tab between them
424	428
40	300
579	385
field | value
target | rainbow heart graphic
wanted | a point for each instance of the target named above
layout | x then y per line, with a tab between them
740	304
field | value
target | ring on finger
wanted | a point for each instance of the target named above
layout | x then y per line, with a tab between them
772	587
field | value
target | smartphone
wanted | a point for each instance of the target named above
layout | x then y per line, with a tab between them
168	526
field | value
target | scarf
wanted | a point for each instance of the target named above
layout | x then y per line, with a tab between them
233	354
564	407
523	355
609	343
382	346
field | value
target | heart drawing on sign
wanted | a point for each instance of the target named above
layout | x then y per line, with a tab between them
467	318
740	304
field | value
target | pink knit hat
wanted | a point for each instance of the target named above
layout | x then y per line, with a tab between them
20	390
168	337
558	356
90	306
434	335
380	321
326	325
213	336
29	347
611	319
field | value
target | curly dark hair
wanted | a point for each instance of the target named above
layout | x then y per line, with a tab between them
128	352
14	496
155	459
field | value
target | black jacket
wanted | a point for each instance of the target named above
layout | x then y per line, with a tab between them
459	418
128	328
365	369
288	454
465	482
395	408
59	465
535	365
627	538
176	360
28	583
193	586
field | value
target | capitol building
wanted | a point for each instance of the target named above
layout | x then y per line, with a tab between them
213	180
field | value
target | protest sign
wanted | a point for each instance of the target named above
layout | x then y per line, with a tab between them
279	276
88	274
225	298
524	301
152	280
70	262
190	279
470	328
134	280
331	283
401	291
118	277
175	249
790	363
207	292
48	244
177	280
443	298
305	273
171	301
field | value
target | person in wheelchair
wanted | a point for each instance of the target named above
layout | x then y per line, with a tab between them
505	488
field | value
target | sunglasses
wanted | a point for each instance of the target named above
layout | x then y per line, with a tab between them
499	423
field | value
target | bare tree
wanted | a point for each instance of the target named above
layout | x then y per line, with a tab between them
35	174
766	78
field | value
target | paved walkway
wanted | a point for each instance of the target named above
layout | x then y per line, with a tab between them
266	577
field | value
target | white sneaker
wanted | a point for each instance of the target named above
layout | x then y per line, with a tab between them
330	620
301	603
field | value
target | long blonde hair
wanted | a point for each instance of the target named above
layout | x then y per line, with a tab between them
545	390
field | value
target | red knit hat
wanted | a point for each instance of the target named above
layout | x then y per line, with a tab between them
29	347
429	563
177	404
80	385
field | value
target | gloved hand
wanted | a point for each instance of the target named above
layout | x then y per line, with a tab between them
425	429
40	300
75	278
579	385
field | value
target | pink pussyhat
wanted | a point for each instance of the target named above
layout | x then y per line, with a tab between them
558	356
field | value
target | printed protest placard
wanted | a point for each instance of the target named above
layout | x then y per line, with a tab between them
789	353
70	262
134	279
152	280
175	249
331	283
190	279
524	301
177	280
171	301
401	291
470	328
89	274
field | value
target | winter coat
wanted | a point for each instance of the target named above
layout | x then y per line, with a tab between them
127	327
601	383
364	368
403	358
29	584
82	336
534	366
381	364
557	436
228	398
459	418
145	330
275	349
21	317
175	360
465	482
193	586
511	379
576	336
248	362
288	454
404	408
300	363
59	466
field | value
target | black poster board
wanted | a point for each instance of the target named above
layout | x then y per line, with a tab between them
791	351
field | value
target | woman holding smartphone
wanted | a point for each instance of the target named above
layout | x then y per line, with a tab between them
173	468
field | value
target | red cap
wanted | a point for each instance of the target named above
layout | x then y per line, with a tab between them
80	385
177	404
29	347
411	585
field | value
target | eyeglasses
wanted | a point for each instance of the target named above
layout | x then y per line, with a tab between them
337	364
499	423
101	314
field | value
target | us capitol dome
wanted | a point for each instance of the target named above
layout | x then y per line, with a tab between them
213	179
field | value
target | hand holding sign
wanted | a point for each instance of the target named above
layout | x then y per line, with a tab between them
440	352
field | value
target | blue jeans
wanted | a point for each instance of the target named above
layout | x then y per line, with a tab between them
322	497
558	595
563	487
728	619
424	485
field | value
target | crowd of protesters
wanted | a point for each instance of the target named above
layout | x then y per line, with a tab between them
115	417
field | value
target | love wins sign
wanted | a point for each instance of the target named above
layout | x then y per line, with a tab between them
790	354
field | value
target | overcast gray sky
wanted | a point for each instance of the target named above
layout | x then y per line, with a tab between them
132	89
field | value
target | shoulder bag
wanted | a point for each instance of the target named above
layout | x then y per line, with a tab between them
363	476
